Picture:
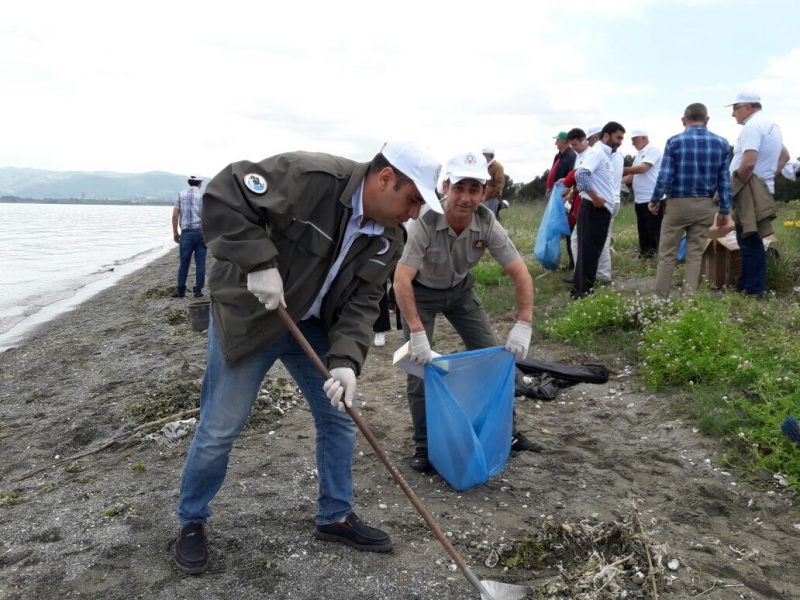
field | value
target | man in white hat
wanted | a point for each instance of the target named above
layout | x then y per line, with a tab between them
642	176
758	155
434	277
497	183
319	235
186	212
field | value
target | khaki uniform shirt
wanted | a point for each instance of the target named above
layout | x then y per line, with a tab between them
443	259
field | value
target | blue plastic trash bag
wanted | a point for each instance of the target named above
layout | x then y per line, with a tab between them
682	248
469	399
547	249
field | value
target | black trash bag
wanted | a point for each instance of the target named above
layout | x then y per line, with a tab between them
545	379
590	373
540	385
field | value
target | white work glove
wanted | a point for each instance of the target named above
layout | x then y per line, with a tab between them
341	383
519	340
420	348
267	286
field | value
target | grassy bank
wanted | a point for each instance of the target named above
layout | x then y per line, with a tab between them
730	363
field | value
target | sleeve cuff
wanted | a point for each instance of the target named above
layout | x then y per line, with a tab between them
335	362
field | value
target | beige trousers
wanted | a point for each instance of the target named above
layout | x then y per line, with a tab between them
692	216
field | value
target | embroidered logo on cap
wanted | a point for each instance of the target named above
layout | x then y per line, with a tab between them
470	160
436	176
255	183
384	246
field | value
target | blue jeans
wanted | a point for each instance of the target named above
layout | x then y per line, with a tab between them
192	242
226	400
753	279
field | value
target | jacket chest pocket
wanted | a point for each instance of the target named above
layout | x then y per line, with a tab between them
309	237
375	270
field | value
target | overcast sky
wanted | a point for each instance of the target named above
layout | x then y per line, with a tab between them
189	87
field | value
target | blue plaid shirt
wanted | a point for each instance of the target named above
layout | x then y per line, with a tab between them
696	163
190	205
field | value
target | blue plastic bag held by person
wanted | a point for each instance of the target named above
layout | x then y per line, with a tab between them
682	248
469	399
547	249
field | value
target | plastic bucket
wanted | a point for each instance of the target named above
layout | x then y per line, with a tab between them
198	315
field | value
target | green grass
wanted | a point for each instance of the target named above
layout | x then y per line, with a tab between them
732	364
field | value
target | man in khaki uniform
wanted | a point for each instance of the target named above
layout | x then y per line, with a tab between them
433	277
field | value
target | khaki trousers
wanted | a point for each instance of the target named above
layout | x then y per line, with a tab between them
692	216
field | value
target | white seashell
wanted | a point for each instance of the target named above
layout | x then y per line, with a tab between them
674	564
492	560
638	578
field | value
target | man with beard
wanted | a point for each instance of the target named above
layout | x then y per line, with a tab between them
596	183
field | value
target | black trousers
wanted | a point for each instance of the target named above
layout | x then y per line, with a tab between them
649	226
593	224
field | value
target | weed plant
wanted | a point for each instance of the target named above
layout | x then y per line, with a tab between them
731	363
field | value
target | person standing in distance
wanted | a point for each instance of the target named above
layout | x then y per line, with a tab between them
496	185
319	235
642	175
694	169
187	211
758	155
596	180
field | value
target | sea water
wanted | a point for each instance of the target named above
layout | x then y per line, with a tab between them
55	256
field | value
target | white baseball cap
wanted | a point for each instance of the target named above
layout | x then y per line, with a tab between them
468	165
638	133
419	165
593	131
746	98
487	150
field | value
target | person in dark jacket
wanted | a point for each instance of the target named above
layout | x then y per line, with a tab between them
563	162
319	235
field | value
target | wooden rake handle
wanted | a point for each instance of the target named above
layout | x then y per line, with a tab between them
362	426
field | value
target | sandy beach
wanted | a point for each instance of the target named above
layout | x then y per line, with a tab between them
624	479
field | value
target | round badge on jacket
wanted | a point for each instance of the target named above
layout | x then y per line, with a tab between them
256	183
384	246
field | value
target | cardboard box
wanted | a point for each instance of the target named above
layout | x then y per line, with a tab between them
722	260
402	360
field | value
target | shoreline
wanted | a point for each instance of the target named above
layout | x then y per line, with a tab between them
19	333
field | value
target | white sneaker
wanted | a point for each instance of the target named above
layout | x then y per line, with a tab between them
380	339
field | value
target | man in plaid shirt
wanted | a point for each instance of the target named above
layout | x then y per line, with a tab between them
187	211
693	170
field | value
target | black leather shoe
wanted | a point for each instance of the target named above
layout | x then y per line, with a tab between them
177	294
191	553
568	280
198	294
355	533
419	462
519	443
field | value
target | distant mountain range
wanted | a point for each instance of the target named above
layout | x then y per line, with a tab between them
39	184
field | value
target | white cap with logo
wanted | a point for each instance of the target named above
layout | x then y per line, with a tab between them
746	98
487	150
419	165
468	165
638	133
